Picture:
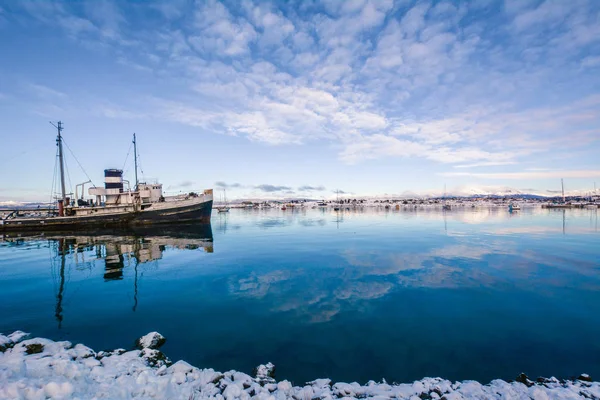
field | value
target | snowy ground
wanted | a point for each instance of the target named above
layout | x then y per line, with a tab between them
41	369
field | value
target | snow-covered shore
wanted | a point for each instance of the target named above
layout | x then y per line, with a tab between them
41	368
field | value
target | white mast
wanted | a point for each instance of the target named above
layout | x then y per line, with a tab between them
135	161
59	128
563	189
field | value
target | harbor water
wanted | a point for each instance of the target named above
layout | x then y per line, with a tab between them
354	295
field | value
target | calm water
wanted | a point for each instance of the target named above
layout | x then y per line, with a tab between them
470	294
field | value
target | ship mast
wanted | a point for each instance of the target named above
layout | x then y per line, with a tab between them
135	161
59	128
563	189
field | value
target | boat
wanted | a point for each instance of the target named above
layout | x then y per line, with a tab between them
514	207
446	206
115	205
337	201
223	208
564	203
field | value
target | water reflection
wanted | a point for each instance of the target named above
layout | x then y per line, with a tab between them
222	223
415	291
115	249
499	259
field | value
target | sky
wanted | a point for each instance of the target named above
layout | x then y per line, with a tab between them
302	98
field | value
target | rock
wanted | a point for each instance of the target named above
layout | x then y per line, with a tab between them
155	358
524	379
324	383
217	378
18	336
265	374
5	343
153	340
81	351
547	381
180	366
34	348
585	378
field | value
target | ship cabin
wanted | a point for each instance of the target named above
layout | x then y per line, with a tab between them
116	191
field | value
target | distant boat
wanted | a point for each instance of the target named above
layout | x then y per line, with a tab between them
446	206
224	208
514	207
337	207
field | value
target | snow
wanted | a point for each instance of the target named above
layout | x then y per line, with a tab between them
59	370
17	336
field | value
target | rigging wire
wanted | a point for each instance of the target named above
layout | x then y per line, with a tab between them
29	150
54	178
125	171
127	157
68	175
80	166
139	161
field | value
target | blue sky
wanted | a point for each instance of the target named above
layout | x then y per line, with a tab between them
301	98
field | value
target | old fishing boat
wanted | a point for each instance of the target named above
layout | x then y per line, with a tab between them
114	205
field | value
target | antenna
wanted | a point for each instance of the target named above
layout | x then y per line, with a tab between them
59	128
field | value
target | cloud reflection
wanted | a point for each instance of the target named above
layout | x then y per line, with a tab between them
496	258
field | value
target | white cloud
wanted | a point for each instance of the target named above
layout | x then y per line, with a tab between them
218	32
373	78
378	145
591	62
547	14
485	164
45	92
529	174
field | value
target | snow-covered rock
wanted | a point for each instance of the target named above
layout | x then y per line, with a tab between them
4	342
18	336
63	371
12	339
265	374
153	340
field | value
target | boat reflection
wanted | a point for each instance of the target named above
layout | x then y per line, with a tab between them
116	249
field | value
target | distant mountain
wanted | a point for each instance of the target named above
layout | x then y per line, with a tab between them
10	204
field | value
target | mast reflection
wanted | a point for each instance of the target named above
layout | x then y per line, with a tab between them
114	251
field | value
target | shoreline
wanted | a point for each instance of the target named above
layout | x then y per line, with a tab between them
40	368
